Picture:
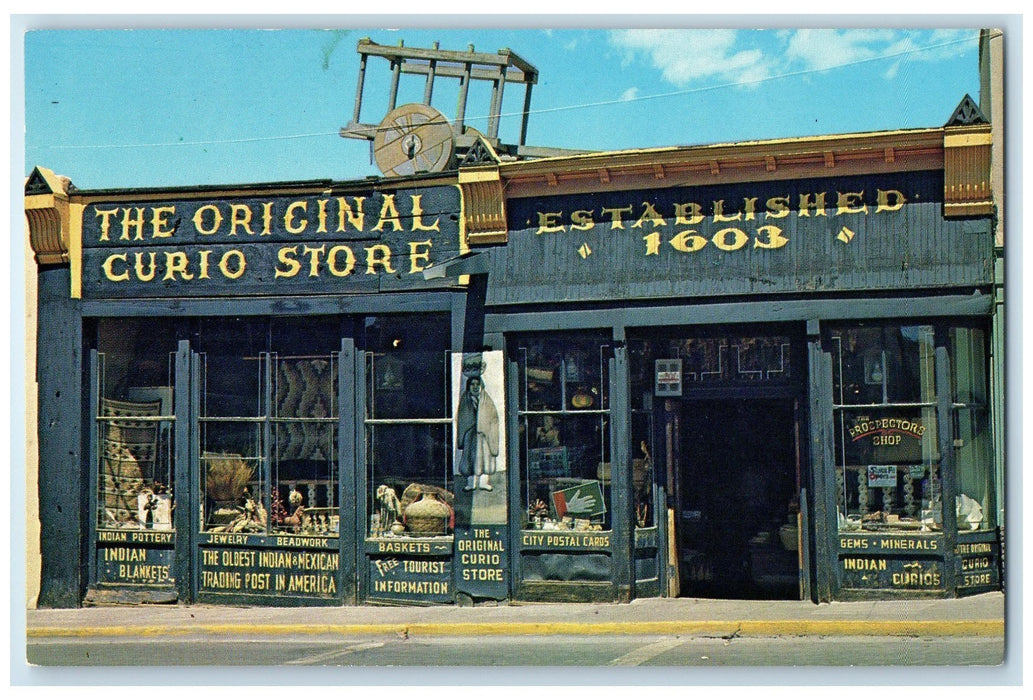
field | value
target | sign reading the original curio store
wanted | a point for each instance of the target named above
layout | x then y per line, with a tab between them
311	243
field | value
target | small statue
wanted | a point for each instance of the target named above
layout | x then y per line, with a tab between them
389	505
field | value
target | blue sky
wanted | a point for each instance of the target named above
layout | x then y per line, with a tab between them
179	107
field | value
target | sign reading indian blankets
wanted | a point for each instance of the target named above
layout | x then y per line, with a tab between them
264	245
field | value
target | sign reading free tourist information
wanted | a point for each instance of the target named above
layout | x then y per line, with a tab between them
276	244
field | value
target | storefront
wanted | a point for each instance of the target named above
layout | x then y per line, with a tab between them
752	370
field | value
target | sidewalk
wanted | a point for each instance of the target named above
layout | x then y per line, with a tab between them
981	615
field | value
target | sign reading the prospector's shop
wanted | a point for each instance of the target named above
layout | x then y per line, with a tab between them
312	243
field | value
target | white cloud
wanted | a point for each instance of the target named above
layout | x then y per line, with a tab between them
685	56
720	56
629	94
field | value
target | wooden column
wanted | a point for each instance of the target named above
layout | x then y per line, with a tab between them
62	464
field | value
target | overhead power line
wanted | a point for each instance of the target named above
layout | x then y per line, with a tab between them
546	110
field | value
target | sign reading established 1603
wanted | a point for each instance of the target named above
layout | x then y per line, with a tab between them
267	245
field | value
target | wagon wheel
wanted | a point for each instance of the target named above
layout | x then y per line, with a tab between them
413	138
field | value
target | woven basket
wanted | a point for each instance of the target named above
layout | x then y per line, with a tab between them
428	516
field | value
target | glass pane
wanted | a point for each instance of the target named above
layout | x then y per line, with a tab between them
233	371
642	467
968	364
406	384
304	496
134	423
887	469
972	453
406	366
408	435
564	373
232	478
566	470
890	364
409	463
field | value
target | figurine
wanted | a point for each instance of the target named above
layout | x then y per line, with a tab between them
390	507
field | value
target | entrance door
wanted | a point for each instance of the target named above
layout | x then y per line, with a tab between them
738	488
725	418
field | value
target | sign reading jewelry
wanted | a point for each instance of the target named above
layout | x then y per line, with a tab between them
262	245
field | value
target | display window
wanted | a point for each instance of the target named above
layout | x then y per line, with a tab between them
408	427
564	427
268	425
973	447
887	422
135	416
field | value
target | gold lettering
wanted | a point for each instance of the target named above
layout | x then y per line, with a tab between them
203	256
651	215
108	267
581	220
288	217
769	237
378	254
719	215
199	216
739	239
652	243
267	219
818	205
355	218
777	207
547	223
687	214
224	264
159	222
313	259
321	214
417	216
389	214
140	274
615	214
105	222
851	203
419	251
688	242
890	200
177	261
292	266
751	208
331	261
240	215
129	221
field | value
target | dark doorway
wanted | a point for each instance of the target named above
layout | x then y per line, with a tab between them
739	486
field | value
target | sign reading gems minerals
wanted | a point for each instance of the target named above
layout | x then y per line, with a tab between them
315	243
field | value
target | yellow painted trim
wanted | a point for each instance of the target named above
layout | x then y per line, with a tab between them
39	201
464	245
968	139
490	175
725	628
489	238
75	262
968	208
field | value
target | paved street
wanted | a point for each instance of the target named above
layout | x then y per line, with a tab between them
649	641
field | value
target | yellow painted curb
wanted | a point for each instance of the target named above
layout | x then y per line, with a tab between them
723	628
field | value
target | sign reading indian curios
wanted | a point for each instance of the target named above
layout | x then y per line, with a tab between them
263	245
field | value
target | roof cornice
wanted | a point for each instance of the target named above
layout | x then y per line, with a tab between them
833	155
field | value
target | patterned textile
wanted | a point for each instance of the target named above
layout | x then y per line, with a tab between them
304	389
